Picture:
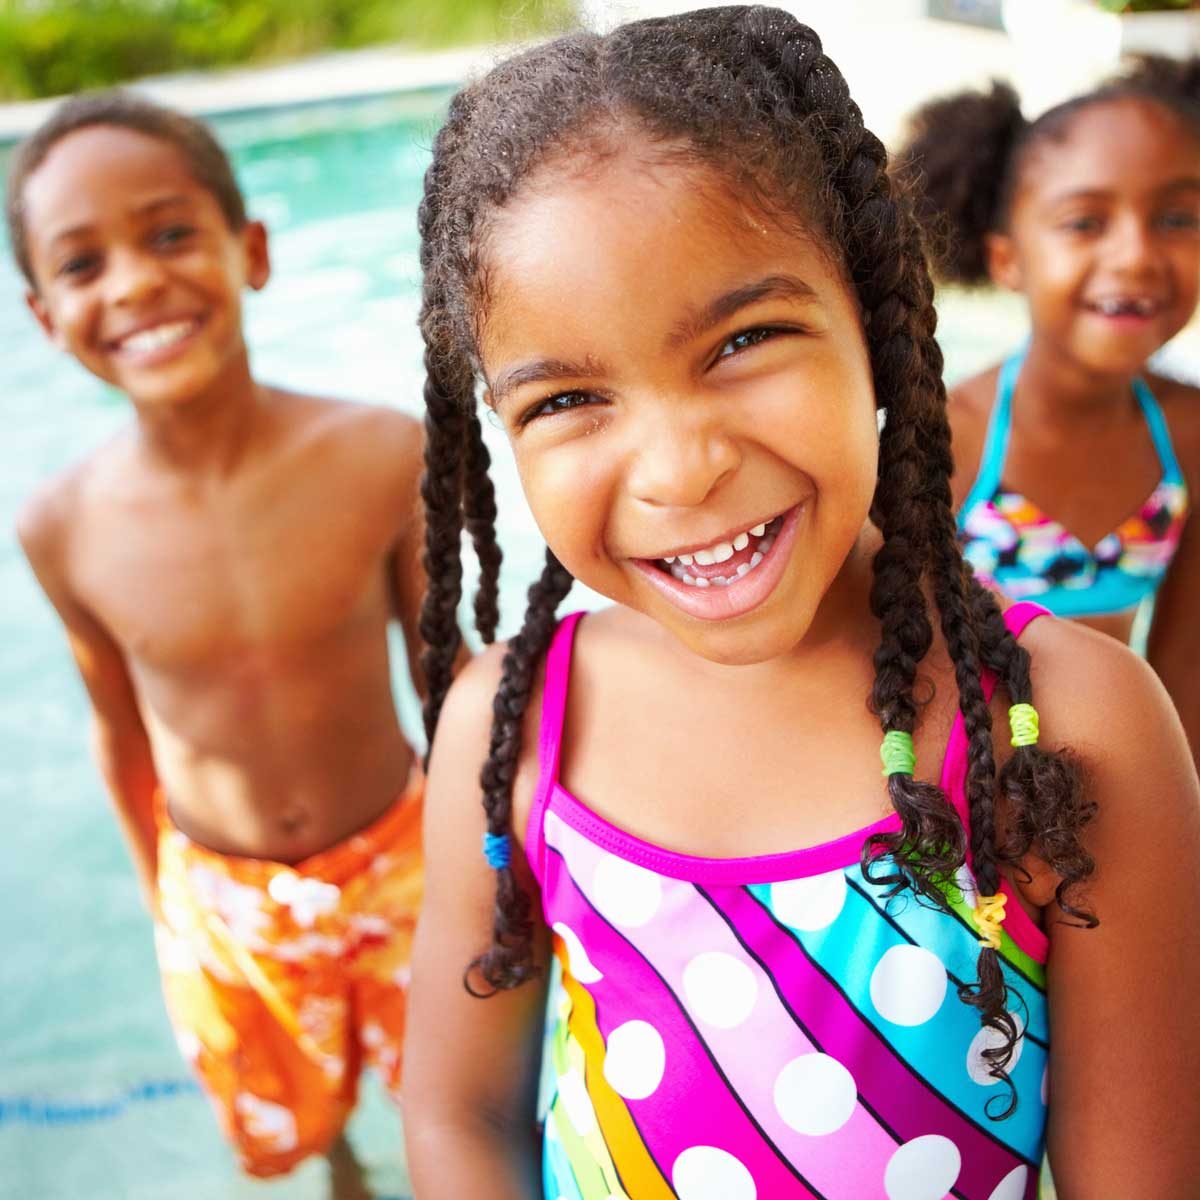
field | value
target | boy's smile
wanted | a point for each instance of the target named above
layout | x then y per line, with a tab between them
687	391
138	274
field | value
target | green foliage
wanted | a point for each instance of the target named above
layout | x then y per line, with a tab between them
1134	6
51	47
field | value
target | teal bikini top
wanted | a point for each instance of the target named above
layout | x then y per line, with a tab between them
1009	541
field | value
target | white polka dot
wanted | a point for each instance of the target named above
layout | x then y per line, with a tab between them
815	1094
628	895
923	1169
573	1093
634	1060
1012	1186
706	1173
965	882
985	1039
908	985
721	990
577	956
811	903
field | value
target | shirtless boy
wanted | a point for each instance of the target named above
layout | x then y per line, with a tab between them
226	570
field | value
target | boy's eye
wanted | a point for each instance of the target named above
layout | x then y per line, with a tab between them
78	266
1179	219
1082	224
556	404
745	340
172	235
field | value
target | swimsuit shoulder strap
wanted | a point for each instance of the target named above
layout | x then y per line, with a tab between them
995	446
554	711
1156	422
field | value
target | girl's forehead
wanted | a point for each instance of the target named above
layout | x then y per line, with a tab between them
637	220
1127	143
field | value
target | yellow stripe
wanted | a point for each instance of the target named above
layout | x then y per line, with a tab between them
637	1169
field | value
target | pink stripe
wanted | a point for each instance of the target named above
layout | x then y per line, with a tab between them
909	1105
628	991
1017	922
676	930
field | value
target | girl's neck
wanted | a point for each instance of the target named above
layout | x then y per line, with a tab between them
208	433
1055	389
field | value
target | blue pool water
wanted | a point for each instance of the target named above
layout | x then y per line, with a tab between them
94	1099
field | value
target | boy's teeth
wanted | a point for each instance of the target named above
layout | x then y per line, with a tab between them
156	338
755	558
704	558
741	541
686	559
759	530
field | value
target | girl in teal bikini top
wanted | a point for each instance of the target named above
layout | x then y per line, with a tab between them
1027	553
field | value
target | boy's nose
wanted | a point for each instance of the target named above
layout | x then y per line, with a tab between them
133	278
680	459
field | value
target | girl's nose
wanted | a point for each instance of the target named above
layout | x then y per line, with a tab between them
680	459
1132	245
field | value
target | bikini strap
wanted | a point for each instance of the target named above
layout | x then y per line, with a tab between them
550	731
995	446
1156	422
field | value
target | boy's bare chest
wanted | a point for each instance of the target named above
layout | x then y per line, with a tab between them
188	585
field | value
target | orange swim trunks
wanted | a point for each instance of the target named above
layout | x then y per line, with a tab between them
283	982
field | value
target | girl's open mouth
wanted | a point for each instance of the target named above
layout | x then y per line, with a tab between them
727	578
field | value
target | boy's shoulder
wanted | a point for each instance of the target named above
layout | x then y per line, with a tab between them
53	509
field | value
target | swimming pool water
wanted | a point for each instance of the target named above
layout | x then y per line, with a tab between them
94	1099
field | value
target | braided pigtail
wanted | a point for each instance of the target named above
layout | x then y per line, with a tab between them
508	961
1047	807
479	502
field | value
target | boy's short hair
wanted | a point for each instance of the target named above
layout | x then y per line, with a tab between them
205	159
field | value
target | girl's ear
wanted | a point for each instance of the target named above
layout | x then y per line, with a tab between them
258	255
42	315
1003	267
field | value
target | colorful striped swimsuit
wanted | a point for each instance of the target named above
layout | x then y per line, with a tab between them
769	1027
1030	555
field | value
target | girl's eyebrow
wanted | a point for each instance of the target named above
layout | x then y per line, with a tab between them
539	370
771	287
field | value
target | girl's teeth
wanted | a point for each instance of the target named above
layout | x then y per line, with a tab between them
759	530
743	570
669	559
704	558
722	552
741	541
755	559
702	582
686	559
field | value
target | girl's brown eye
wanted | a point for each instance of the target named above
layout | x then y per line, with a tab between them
555	405
745	340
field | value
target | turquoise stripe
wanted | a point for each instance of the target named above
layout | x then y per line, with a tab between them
848	951
955	944
558	1180
995	447
1161	435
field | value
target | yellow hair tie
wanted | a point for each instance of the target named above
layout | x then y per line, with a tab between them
1023	720
989	916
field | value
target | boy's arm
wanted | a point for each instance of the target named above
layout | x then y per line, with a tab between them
470	1064
119	743
1125	1045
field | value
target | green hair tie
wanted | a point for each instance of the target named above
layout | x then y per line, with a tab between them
897	753
1023	719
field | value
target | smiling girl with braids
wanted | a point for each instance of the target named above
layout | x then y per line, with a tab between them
1076	469
673	259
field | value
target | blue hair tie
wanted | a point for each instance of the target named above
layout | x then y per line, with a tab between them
497	849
